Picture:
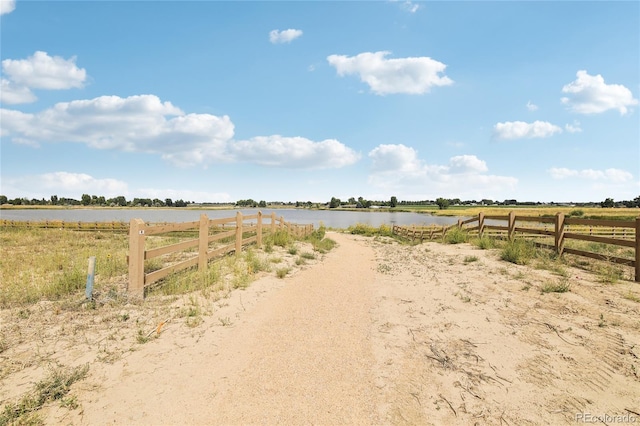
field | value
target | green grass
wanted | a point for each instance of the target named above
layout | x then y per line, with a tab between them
518	251
484	243
282	272
55	387
469	259
456	236
48	264
369	231
561	286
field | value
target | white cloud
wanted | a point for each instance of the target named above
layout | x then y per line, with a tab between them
11	93
467	164
137	123
293	152
63	184
520	130
610	175
573	128
7	6
413	75
531	107
146	124
398	168
42	71
395	158
285	36
589	94
410	6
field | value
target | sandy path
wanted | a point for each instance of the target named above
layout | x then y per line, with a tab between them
300	356
374	332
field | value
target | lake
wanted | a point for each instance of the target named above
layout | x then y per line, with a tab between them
330	218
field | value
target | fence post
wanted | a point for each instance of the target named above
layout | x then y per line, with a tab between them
136	258
281	222
459	223
259	230
638	249
480	224
238	233
559	233
273	223
203	243
512	224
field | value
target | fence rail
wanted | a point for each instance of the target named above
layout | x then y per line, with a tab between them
61	224
621	233
210	238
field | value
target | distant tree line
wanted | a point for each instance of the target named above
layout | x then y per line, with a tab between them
360	202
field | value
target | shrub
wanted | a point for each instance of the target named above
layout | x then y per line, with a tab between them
556	287
518	251
484	242
456	236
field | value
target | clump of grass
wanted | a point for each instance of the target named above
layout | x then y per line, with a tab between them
628	296
292	250
300	261
323	246
54	387
561	286
254	263
225	322
469	259
484	243
518	251
362	229
307	255
279	238
456	236
282	272
609	274
576	213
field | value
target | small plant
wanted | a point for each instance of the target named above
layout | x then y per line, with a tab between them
484	243
225	322
556	287
55	387
307	255
518	251
282	272
469	259
142	337
293	250
323	246
602	322
300	261
456	236
280	238
628	296
526	287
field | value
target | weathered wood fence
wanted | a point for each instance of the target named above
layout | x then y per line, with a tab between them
621	233
61	224
214	238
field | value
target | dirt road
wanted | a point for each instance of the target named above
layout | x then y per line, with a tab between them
375	332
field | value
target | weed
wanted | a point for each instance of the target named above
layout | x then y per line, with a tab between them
602	322
142	337
469	259
484	243
628	296
225	322
276	259
282	272
518	251
280	238
55	387
324	245
556	287
456	236
293	250
307	255
526	287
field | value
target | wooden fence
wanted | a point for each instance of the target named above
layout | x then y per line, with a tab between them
215	238
621	233
60	224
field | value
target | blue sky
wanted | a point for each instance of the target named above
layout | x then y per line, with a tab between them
213	101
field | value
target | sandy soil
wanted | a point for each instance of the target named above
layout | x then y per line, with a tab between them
374	332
